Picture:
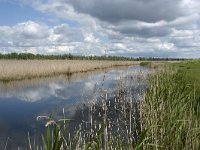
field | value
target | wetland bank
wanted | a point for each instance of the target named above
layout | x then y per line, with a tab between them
23	69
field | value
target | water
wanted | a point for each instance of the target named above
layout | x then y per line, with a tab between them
22	101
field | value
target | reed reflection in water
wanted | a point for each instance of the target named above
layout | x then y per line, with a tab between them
22	101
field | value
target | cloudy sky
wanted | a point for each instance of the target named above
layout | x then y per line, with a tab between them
138	28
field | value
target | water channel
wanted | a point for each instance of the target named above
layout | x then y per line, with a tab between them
22	101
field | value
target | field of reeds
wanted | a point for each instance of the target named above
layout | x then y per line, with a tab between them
23	69
166	116
170	113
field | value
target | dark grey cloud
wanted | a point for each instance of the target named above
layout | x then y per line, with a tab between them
121	10
155	53
128	17
144	18
145	32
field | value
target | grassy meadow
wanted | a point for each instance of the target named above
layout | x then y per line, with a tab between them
23	69
191	72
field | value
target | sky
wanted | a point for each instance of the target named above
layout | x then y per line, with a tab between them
133	28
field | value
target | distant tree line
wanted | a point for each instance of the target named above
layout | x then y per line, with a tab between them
26	56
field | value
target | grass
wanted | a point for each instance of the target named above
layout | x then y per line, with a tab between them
169	113
23	69
191	71
157	64
146	64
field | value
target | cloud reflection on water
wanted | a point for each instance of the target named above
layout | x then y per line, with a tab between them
22	101
39	90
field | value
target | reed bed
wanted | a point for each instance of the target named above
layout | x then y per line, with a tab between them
16	84
22	69
170	113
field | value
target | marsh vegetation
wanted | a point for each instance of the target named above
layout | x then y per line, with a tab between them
23	69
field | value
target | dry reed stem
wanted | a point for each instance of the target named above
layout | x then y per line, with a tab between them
21	69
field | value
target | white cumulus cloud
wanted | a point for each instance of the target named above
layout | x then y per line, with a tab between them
164	28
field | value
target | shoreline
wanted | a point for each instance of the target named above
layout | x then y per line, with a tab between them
16	70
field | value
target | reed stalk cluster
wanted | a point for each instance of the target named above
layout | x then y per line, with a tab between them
170	113
110	122
23	69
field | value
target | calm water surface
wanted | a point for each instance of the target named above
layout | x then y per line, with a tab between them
22	101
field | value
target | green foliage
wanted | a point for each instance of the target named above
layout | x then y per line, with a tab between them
191	72
145	64
169	113
69	56
54	141
139	145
